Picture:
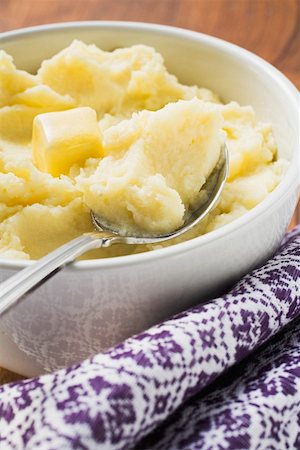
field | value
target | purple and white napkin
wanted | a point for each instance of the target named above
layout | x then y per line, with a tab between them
115	399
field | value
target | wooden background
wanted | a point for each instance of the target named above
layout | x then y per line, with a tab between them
269	28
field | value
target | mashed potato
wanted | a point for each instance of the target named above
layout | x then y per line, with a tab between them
160	142
157	162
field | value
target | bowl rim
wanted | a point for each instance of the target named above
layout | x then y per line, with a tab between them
290	178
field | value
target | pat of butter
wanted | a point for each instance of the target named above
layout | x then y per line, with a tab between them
62	139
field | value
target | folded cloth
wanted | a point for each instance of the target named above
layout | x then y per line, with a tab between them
114	399
255	405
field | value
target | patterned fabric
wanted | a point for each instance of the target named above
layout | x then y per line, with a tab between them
115	399
254	406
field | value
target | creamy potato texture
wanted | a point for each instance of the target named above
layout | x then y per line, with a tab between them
149	145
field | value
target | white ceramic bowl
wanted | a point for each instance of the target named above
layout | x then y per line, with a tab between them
94	304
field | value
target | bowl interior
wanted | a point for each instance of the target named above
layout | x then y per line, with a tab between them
196	59
230	71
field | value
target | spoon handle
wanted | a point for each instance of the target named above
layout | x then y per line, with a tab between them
36	274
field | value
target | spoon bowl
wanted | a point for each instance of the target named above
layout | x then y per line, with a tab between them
209	195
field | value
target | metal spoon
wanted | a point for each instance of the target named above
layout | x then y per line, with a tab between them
105	235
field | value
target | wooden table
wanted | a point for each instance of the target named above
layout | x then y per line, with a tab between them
269	28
